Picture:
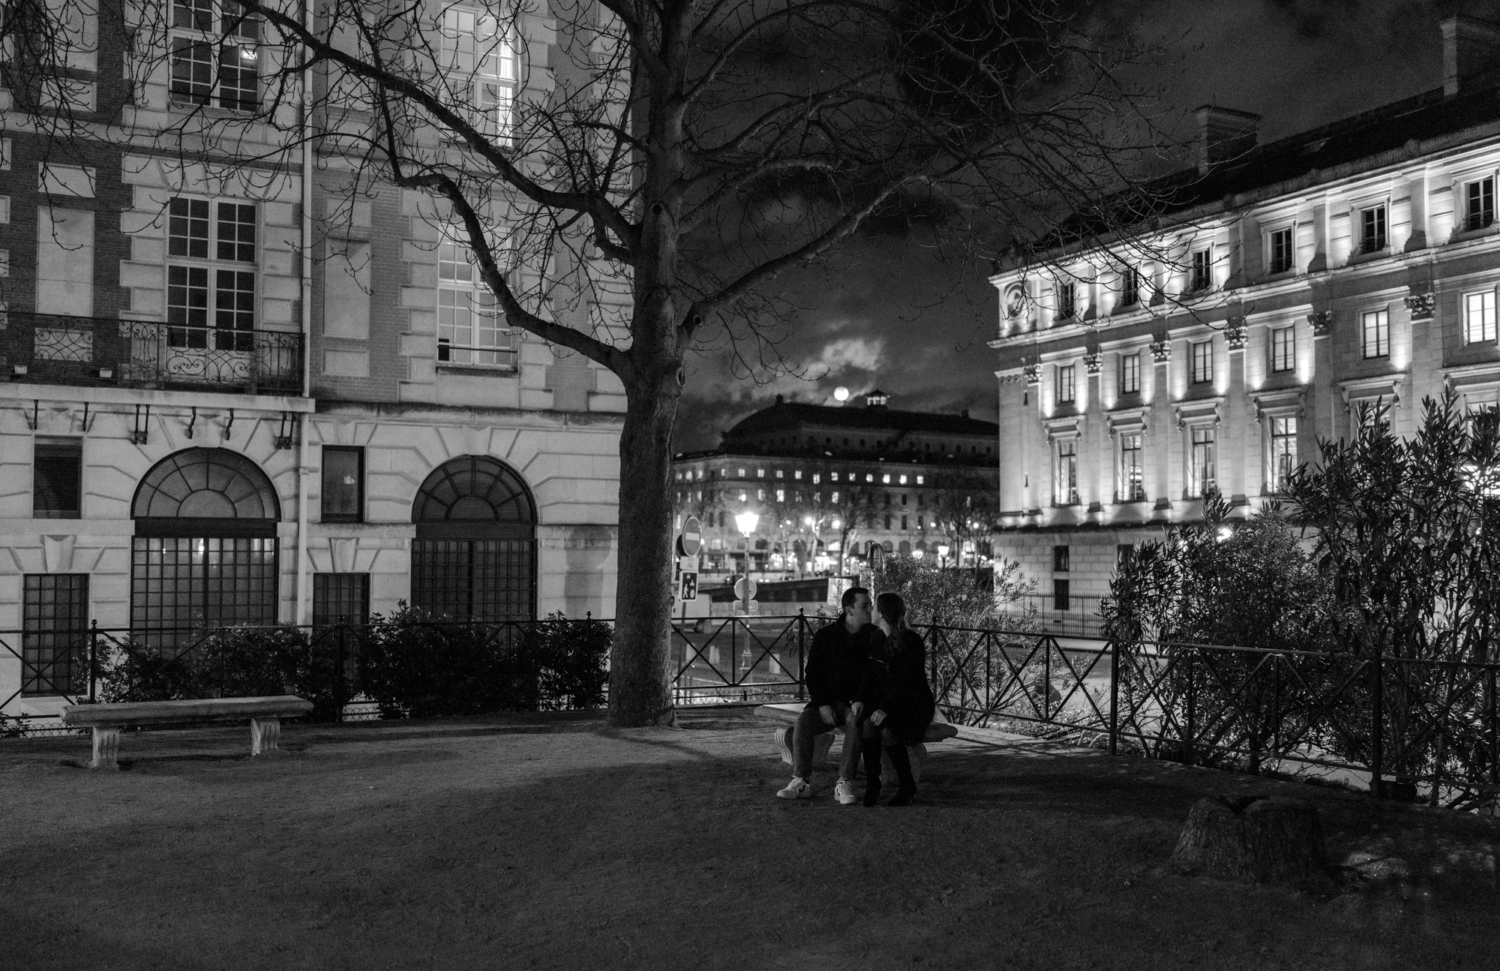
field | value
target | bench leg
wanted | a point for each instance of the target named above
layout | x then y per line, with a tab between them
821	744
265	735
106	748
915	754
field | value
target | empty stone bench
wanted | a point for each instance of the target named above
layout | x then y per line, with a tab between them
265	716
786	715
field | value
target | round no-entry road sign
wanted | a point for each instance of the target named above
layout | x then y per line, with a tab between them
691	539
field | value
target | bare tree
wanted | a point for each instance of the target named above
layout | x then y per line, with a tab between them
638	191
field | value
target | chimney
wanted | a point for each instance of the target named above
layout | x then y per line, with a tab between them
1224	133
1471	47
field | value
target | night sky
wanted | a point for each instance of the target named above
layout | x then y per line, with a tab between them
892	315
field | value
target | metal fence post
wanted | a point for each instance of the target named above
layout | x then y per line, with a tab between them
1490	713
801	653
93	658
1377	721
1114	697
1192	698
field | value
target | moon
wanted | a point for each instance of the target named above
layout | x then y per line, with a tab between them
841	393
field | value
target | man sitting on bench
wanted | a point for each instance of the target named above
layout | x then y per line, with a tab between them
835	665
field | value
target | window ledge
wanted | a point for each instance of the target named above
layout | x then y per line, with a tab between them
489	369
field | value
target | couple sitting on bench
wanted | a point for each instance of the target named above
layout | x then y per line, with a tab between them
871	682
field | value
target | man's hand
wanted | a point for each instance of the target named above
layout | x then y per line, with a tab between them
855	710
827	712
877	717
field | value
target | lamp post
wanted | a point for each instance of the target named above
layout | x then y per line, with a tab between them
746	521
942	552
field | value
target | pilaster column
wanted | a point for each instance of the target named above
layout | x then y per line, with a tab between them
1036	456
1095	445
1163	431
1326	408
1236	406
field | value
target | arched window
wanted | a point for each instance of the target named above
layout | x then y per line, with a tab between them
204	551
474	556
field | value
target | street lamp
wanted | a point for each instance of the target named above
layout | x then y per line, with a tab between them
747	521
942	551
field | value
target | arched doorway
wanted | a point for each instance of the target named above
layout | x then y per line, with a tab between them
474	555
204	551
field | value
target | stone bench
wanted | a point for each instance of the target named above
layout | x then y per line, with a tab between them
786	714
265	716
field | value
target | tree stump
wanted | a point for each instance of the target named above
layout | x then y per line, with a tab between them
1256	838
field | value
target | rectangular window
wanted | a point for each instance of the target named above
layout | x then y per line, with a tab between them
215	58
343	484
471	326
1132	475
1283	451
903	522
182	583
1130	373
211	269
1375	333
1202	362
1066	493
57	478
1059	559
479	57
1059	594
1130	287
1279	251
1479	203
1067	388
1202	270
1283	349
1372	237
340	598
1067	300
1124	555
1202	466
1479	317
54	633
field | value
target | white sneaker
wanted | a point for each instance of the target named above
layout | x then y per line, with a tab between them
844	793
798	788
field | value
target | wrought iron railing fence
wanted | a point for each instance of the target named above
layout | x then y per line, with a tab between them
69	350
1403	727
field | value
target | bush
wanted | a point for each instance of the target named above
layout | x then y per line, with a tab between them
415	665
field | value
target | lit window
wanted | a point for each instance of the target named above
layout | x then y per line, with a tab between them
1479	317
1202	362
1283	349
1202	270
798	476
1067	390
1132	475
1375	333
1130	287
1130	373
1479	203
816	478
834	497
833	477
781	495
903	480
479	57
1279	251
919	480
343	484
1066	493
1372	238
869	477
1202	467
760	473
780	473
214	55
1067	300
211	260
1283	451
885	479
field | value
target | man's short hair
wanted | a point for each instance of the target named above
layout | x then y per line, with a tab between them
847	600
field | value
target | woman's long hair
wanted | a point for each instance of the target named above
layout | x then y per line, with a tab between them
893	609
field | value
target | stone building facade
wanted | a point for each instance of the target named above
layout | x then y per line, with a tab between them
219	404
1280	288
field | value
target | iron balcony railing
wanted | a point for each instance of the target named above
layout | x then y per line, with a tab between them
57	349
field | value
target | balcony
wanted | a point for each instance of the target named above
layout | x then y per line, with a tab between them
95	351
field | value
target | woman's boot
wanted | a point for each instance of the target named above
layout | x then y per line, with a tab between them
907	787
871	752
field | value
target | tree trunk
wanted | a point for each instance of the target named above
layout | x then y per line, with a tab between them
640	691
1254	838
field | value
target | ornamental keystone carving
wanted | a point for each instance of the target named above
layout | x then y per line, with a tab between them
1161	351
1321	323
1033	373
1092	362
1422	305
1235	333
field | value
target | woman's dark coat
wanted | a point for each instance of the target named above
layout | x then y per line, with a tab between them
895	682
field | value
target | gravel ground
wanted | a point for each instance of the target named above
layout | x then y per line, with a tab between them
553	842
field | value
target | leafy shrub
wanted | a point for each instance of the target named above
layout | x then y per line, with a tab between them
416	665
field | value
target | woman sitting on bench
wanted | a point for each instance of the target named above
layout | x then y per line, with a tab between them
898	699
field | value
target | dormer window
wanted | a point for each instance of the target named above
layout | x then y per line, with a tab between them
1372	229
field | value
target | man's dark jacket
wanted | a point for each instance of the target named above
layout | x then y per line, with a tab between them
836	663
